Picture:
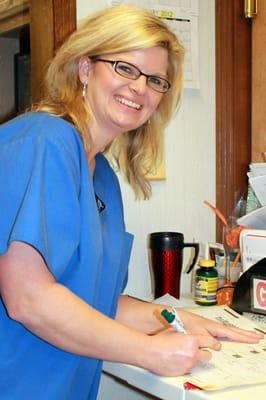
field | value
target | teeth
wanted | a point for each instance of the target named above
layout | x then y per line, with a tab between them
129	103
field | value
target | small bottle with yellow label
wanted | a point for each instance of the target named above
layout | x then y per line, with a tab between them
206	283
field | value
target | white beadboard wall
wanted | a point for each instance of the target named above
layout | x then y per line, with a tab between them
177	202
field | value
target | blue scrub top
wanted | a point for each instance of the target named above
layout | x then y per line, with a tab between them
47	199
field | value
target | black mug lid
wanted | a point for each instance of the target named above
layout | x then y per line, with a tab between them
166	240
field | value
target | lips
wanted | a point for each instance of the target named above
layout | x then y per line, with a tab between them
128	103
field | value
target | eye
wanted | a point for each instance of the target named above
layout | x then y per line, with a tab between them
155	80
125	69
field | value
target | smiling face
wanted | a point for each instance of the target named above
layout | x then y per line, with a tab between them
120	104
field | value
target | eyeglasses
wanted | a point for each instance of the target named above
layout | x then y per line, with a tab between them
130	71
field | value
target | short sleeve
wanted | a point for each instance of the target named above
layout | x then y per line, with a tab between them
39	201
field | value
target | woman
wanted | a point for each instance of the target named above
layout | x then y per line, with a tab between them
64	250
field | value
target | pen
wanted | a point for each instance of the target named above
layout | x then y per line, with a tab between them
173	319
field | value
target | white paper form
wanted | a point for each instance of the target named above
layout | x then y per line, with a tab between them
237	363
182	18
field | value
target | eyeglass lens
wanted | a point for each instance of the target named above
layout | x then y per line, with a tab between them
130	71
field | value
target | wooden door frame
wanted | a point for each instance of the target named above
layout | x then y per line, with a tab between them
51	21
233	104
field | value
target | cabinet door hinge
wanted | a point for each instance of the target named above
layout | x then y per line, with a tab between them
250	8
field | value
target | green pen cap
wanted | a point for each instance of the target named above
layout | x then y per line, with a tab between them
168	316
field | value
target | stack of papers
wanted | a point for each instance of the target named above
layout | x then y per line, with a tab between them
255	217
257	181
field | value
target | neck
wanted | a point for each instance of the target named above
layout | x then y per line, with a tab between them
92	165
102	136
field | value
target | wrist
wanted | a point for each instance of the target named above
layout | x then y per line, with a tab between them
145	353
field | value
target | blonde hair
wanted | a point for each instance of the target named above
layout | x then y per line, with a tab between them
113	30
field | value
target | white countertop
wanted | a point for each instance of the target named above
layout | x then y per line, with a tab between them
172	388
164	388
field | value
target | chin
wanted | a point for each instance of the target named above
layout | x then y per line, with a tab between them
125	127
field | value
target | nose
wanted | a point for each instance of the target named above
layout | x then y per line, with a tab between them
139	85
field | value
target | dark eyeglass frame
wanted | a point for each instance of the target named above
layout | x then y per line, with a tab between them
116	63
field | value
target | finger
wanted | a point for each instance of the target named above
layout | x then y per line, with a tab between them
208	341
204	356
240	335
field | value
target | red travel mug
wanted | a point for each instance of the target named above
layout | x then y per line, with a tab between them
166	259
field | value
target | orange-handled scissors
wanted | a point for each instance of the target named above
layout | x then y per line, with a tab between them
232	235
217	212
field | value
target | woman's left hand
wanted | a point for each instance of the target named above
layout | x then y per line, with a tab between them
197	325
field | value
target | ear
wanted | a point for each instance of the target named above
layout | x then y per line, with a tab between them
84	68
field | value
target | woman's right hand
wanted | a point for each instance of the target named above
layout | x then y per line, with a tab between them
174	354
